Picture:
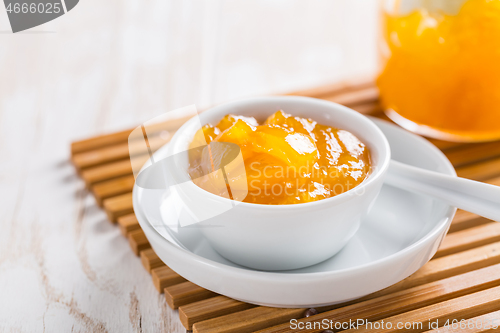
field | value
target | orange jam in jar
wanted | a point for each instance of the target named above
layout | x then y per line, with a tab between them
441	75
287	159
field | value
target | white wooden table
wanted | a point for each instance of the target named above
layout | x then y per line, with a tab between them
109	65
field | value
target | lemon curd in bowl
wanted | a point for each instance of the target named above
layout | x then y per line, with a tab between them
286	159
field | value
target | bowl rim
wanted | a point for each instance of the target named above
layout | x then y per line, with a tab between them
378	170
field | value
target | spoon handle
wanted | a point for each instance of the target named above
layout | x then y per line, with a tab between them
476	197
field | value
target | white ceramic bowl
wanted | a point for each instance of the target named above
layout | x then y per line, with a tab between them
401	233
282	237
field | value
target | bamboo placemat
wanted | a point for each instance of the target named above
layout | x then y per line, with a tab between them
461	282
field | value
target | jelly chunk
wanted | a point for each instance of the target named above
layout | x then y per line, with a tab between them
230	119
295	124
292	148
204	135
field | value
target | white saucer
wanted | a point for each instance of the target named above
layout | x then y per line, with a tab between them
402	232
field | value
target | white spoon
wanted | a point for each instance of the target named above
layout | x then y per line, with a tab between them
475	197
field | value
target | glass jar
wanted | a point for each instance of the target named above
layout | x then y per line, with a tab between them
441	67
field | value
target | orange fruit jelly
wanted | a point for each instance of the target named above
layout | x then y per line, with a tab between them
287	160
442	71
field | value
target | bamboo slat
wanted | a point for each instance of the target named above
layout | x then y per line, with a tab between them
355	97
461	281
210	308
115	153
107	172
337	88
469	239
106	140
138	241
128	223
372	109
465	220
481	171
164	277
248	320
100	141
445	145
150	260
473	153
118	206
100	156
494	181
112	188
185	293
